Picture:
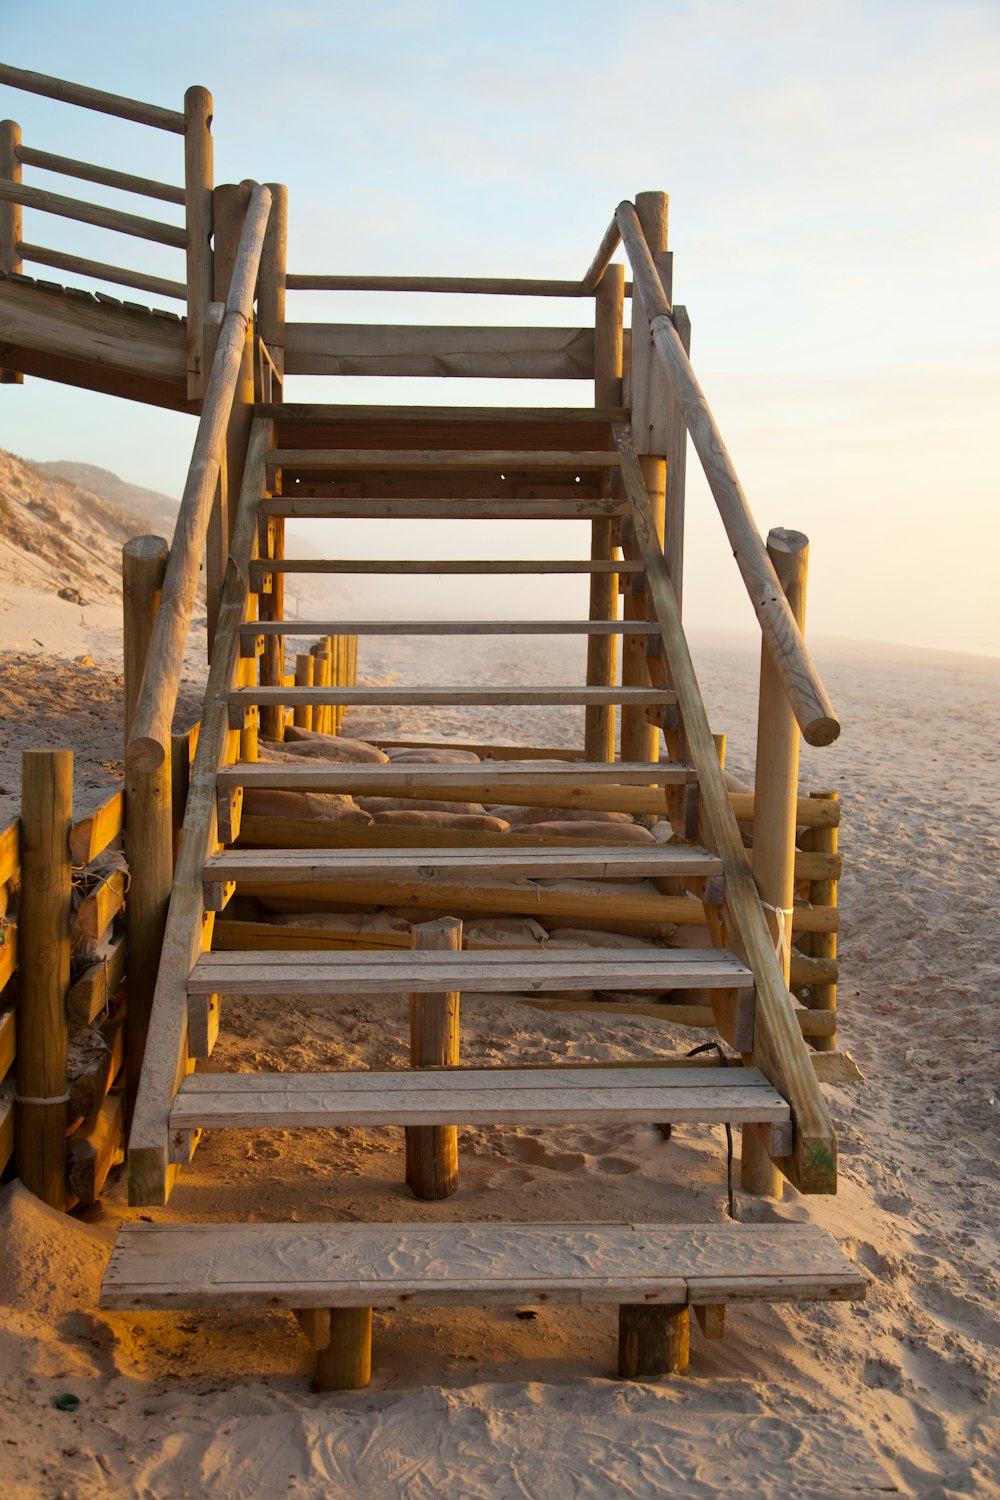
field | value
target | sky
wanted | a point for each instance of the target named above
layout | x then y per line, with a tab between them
833	172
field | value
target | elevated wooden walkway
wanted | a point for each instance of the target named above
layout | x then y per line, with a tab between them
619	467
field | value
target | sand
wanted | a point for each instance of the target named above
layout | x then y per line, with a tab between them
812	1401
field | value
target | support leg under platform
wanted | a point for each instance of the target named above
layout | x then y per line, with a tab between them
652	1340
345	1363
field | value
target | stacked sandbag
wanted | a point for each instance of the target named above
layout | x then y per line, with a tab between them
333	747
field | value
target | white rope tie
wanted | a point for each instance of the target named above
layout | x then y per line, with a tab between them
56	1099
783	915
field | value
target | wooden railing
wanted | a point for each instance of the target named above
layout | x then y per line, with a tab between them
195	196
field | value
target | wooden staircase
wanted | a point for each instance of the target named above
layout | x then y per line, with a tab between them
469	465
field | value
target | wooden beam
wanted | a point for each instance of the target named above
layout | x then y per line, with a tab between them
384	349
93	213
10	218
86	171
87	98
198	182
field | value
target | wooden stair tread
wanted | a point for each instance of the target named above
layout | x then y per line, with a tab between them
552	862
350	696
444	507
441	566
484	971
254	628
321	459
388	1265
477	1096
317	775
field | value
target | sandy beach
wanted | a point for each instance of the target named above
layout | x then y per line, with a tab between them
898	1393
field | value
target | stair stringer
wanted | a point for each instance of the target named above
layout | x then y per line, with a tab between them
779	1048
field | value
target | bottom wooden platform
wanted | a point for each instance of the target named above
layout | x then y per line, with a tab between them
332	1275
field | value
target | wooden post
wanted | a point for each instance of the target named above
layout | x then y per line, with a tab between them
43	964
432	1150
10	219
271	293
198	176
271	606
599	733
323	677
345	1364
652	1340
824	944
640	740
305	665
144	562
776	789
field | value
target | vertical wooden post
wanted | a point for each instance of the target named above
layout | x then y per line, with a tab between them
10	218
653	1340
673	530
305	665
43	964
271	606
432	1150
198	176
345	1364
144	562
599	731
824	944
324	660
180	781
149	813
271	293
640	739
776	786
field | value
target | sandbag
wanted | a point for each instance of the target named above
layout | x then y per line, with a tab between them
333	747
412	818
504	932
611	833
259	802
376	805
580	937
414	755
526	816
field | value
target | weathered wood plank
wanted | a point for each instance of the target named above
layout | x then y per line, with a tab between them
384	349
91	835
389	1265
90	995
599	862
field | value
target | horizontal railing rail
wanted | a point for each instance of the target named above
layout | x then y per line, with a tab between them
802	683
97	99
489	286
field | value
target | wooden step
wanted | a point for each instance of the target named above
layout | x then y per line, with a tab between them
438	566
352	697
254	628
461	507
321	460
482	1096
210	1266
303	973
275	867
507	778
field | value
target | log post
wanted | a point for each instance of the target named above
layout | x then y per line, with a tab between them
198	177
652	1340
640	740
305	665
271	606
271	292
824	944
10	219
149	813
345	1364
144	563
42	1026
323	677
432	1150
599	720
776	789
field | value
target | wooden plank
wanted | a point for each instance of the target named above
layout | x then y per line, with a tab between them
474	1096
91	835
600	862
778	1046
492	286
321	460
8	1041
458	507
505	778
92	1148
444	566
391	1265
92	992
99	909
438	696
87	98
8	955
483	970
6	1131
10	850
447	627
384	349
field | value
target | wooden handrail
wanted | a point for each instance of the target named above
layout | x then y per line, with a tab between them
806	694
154	711
778	1046
38	255
93	213
106	104
605	250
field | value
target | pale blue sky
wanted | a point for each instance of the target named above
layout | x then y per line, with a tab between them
833	173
